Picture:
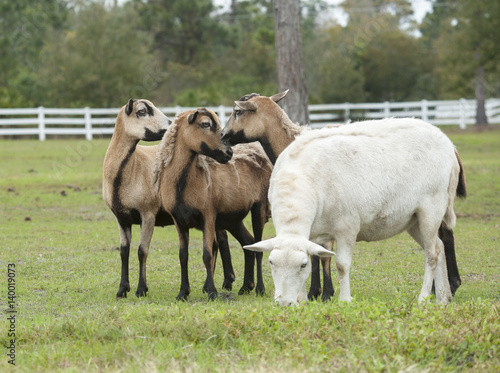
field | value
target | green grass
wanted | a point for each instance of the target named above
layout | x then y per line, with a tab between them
56	229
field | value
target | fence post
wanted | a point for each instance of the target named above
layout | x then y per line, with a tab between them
425	111
347	112
41	124
461	121
222	116
88	123
387	109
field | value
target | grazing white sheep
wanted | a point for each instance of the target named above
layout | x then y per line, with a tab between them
365	181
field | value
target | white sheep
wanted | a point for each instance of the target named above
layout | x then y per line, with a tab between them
365	181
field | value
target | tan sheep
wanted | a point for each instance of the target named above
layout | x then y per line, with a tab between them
128	187
199	192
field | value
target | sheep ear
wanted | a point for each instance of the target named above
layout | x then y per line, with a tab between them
129	107
266	245
192	117
246	105
278	96
315	249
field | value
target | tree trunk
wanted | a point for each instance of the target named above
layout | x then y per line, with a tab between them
481	118
232	19
289	59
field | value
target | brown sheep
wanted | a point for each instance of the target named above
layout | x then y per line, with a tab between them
128	187
199	192
259	118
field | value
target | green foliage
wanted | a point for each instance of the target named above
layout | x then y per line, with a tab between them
24	27
64	246
333	76
392	67
463	36
101	61
74	53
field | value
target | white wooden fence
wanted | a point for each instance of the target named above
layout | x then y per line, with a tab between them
90	122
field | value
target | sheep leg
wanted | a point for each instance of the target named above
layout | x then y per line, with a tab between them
328	289
443	291
208	257
213	264
225	256
429	242
125	238
147	228
343	261
446	236
259	217
315	288
183	234
245	238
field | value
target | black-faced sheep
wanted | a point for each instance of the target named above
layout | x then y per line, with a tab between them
128	188
202	193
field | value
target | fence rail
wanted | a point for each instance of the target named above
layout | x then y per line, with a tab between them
91	122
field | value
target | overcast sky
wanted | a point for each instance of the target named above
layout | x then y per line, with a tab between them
420	7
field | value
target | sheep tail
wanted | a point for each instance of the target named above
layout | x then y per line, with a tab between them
461	187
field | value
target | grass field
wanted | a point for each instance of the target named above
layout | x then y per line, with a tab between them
63	241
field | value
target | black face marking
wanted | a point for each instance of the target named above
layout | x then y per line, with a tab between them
234	138
248	97
153	136
149	109
220	156
130	107
192	118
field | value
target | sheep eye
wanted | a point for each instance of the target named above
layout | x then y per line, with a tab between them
270	262
205	124
238	113
141	112
303	266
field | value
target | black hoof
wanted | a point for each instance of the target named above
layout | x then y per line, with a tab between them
326	297
183	294
313	295
213	295
246	289
260	291
121	295
454	285
227	285
122	291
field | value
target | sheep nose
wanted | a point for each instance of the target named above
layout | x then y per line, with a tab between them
229	152
285	302
225	137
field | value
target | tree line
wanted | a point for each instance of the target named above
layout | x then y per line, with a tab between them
60	53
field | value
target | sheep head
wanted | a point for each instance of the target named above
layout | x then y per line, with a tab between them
247	122
142	120
201	133
290	265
